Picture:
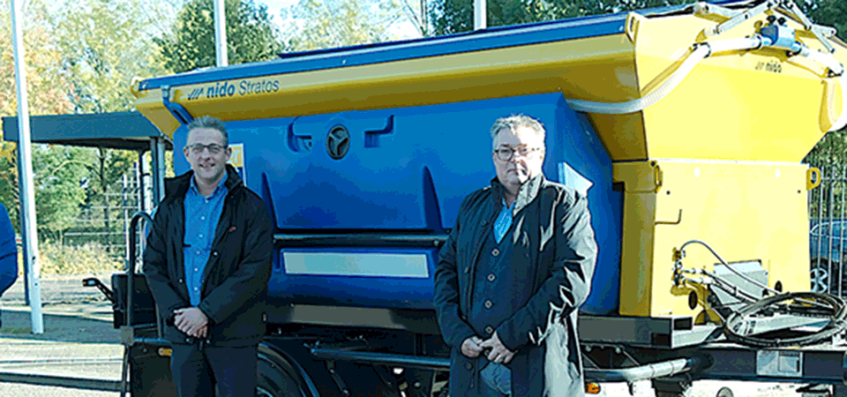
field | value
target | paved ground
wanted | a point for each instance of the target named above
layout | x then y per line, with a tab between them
79	341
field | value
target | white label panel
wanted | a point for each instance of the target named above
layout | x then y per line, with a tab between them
355	264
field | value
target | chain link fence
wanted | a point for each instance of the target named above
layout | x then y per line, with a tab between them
103	224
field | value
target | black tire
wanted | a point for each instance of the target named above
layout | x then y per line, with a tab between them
276	376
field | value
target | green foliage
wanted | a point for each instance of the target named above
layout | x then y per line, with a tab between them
104	44
454	16
832	13
59	171
251	36
318	24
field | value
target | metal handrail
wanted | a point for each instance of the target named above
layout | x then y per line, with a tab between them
130	288
130	268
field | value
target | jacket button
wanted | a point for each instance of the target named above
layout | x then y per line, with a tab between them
489	330
467	270
488	304
214	253
495	252
181	281
469	366
187	340
491	277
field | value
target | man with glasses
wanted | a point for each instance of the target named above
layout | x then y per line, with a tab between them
208	262
512	274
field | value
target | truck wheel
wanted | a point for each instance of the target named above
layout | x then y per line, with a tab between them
277	377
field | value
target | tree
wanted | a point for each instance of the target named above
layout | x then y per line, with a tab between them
105	43
454	16
59	172
47	93
319	24
251	36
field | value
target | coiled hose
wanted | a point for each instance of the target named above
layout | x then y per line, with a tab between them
835	307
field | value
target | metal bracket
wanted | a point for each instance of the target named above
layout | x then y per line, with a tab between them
676	222
178	111
95	282
713	9
739	18
330	367
820	32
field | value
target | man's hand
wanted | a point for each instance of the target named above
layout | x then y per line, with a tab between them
471	348
192	322
499	353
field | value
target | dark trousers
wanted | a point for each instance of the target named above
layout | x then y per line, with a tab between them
197	371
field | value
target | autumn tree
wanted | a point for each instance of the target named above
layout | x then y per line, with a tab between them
48	94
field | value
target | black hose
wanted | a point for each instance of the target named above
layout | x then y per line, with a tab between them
837	310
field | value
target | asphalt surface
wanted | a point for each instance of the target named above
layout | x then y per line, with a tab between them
78	343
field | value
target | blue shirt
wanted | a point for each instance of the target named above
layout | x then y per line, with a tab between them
503	222
201	219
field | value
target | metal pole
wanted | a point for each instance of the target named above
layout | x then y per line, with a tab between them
160	165
139	182
28	220
155	187
479	15
124	204
220	33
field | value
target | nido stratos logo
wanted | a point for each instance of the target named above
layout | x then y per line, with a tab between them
226	89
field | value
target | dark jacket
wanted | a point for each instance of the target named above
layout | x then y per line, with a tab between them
553	262
236	277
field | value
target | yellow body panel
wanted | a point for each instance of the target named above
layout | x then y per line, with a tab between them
597	69
754	105
746	211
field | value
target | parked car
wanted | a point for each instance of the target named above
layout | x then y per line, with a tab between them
828	251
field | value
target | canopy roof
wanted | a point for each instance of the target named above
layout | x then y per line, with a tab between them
120	130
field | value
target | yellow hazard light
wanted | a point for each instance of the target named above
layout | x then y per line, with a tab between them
592	388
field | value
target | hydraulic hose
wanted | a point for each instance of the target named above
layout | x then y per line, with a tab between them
837	323
702	51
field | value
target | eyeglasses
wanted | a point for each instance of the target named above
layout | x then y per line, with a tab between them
506	154
198	148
